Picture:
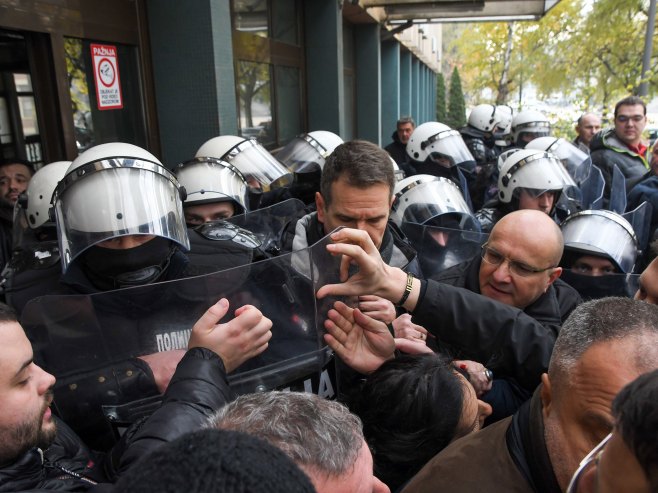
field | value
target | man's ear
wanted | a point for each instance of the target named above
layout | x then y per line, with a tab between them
319	205
546	394
391	202
557	272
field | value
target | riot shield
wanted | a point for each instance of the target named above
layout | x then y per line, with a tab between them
591	189
441	248
617	191
79	337
640	219
594	287
268	222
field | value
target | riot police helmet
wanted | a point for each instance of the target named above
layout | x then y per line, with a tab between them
308	152
438	143
259	168
528	125
600	233
114	190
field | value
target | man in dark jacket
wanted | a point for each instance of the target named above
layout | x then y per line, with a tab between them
603	346
529	238
356	191
398	148
38	451
622	145
15	175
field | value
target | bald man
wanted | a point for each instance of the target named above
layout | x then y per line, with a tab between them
586	126
518	266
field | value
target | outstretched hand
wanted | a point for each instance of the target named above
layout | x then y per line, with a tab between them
237	340
359	340
372	278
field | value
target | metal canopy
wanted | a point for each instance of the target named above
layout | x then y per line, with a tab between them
418	12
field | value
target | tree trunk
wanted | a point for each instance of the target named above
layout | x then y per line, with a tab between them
503	84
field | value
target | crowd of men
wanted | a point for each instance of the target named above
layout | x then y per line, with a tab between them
476	287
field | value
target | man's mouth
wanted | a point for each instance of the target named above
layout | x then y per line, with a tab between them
497	290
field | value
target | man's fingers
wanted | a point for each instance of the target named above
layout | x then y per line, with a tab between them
212	316
336	332
411	347
368	322
336	346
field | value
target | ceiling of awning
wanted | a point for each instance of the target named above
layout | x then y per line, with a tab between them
419	12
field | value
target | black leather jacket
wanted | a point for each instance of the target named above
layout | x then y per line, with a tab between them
198	388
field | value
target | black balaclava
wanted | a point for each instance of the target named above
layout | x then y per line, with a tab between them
109	268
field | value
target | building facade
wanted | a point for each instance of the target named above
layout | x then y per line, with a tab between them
168	75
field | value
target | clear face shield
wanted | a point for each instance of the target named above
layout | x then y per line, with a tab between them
117	197
532	130
601	233
538	174
208	180
448	149
576	162
424	199
260	169
303	154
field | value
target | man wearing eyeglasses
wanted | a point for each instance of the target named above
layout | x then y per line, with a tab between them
622	146
518	266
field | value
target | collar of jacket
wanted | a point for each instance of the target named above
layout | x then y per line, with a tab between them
610	141
527	446
26	472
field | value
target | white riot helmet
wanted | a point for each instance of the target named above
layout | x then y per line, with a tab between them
114	190
207	180
528	125
430	200
535	171
308	152
399	174
251	158
603	234
484	117
32	210
577	162
439	143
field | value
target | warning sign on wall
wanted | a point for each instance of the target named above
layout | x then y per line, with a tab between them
106	77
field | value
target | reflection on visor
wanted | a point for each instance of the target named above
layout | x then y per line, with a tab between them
105	200
302	155
254	162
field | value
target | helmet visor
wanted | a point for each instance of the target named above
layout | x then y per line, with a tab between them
419	201
118	197
210	180
448	149
601	233
258	166
576	162
301	156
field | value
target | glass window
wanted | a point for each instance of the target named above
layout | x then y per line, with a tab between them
92	125
5	127
288	103
28	115
251	16
23	82
284	21
255	101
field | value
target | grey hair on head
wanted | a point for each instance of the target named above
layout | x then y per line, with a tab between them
315	433
604	320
